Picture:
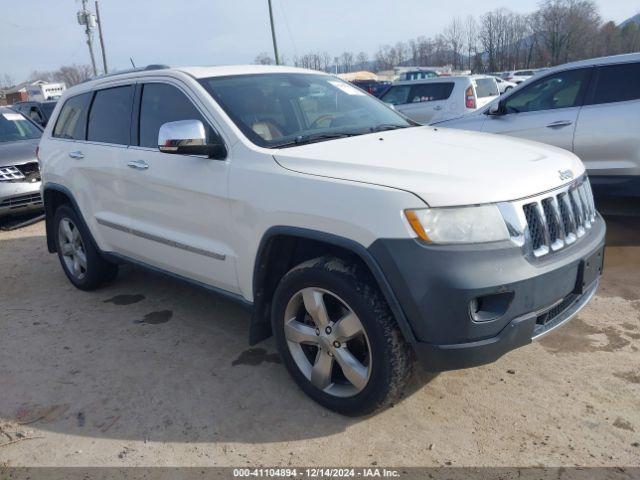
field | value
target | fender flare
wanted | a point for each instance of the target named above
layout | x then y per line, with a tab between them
260	331
50	212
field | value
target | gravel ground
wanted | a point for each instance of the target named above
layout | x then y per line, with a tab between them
152	372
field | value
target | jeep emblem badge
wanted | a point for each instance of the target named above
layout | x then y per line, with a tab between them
565	174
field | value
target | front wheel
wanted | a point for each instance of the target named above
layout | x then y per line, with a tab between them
338	338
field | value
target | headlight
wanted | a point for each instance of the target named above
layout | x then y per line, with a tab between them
459	225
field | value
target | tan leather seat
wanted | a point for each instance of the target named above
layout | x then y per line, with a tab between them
266	130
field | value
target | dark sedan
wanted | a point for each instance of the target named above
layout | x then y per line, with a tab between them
19	169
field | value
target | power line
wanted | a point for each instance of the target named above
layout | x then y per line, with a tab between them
283	7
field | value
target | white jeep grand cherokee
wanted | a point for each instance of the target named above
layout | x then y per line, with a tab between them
359	239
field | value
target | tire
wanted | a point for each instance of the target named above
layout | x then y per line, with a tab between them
351	301
80	259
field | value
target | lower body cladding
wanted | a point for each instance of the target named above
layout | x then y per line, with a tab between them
470	304
17	198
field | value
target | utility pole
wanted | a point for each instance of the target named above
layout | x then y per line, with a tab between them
104	55
86	18
273	35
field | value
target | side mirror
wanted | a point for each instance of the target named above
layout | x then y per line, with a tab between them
496	108
188	137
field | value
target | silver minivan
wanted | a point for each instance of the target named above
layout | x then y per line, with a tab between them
591	108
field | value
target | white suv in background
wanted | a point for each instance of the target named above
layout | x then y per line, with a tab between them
436	99
360	240
518	76
591	108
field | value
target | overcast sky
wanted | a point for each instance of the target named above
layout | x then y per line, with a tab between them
38	35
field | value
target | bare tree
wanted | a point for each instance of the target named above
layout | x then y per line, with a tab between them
73	74
68	74
471	39
454	37
264	58
347	60
567	29
7	81
362	60
630	38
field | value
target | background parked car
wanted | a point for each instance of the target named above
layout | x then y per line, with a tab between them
518	76
591	107
19	169
417	75
374	87
39	112
437	99
503	85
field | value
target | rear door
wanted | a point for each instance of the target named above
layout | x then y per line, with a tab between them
607	135
545	110
90	167
98	166
177	204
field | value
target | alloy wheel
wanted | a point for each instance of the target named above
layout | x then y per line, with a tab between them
328	342
72	248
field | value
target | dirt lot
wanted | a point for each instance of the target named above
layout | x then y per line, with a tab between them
152	372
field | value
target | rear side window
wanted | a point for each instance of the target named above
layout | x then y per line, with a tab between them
110	116
618	83
430	92
396	95
72	120
162	103
486	87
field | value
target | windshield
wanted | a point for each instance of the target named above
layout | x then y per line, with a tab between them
48	107
287	109
14	126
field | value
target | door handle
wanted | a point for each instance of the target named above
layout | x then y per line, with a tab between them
77	155
560	124
138	164
437	107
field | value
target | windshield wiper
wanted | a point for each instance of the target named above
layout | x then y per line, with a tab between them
387	126
306	139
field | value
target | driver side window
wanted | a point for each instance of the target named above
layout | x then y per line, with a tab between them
162	103
562	90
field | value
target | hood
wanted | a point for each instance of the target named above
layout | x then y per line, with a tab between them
444	167
19	152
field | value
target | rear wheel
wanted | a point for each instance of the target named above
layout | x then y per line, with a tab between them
338	338
80	260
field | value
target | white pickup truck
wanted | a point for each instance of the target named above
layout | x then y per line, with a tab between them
359	239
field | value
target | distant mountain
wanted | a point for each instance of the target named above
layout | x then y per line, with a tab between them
635	19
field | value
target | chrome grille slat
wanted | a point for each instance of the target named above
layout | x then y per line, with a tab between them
10	173
550	222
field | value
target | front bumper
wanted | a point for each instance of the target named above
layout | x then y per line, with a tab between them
438	285
17	198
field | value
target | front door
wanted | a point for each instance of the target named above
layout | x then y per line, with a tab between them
545	111
607	136
178	207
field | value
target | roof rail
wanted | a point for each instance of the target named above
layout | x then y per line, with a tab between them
153	66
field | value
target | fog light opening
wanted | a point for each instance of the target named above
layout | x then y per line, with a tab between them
490	307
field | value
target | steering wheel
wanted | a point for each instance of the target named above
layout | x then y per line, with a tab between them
321	118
